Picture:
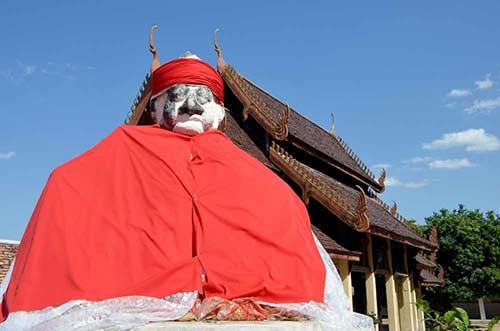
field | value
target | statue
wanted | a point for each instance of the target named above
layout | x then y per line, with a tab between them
157	222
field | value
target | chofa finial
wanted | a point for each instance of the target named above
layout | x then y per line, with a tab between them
362	222
394	208
220	60
332	131
381	180
156	60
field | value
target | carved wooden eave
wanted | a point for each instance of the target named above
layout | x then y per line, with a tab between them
362	221
423	263
381	232
140	103
252	104
429	279
400	218
314	188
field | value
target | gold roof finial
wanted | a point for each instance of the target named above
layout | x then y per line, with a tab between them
220	61
156	60
394	208
381	179
332	131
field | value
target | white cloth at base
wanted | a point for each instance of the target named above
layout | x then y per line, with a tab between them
121	314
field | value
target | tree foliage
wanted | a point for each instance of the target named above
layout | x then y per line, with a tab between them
469	251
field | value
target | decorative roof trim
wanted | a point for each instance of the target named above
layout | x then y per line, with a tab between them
423	262
252	103
381	232
393	211
429	279
312	187
381	180
358	161
332	162
362	222
140	103
354	258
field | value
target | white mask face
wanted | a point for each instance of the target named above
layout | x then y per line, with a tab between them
188	109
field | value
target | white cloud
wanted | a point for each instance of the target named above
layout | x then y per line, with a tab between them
417	185
474	140
484	84
457	93
381	166
391	181
451	164
420	159
485	105
19	73
8	155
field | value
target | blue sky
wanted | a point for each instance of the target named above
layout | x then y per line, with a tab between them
415	87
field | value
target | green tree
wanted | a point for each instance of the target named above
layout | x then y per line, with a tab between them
469	251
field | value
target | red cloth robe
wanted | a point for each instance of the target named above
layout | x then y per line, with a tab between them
147	211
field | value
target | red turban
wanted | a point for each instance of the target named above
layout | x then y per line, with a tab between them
187	71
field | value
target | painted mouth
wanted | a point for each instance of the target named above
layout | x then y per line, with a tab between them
191	111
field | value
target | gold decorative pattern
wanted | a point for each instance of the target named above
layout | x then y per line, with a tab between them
252	103
306	192
156	60
381	180
311	186
363	223
394	208
281	131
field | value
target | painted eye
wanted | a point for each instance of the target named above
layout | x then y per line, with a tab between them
177	94
203	95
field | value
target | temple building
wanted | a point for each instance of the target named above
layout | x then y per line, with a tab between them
383	262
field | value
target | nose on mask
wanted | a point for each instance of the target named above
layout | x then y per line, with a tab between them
191	107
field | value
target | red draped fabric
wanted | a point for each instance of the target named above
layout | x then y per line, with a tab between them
147	211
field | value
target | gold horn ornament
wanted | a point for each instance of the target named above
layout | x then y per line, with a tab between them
156	60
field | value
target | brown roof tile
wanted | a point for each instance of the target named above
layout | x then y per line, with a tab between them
330	245
7	254
381	219
305	130
241	139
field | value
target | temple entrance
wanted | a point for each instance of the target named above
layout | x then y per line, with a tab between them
359	292
382	302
